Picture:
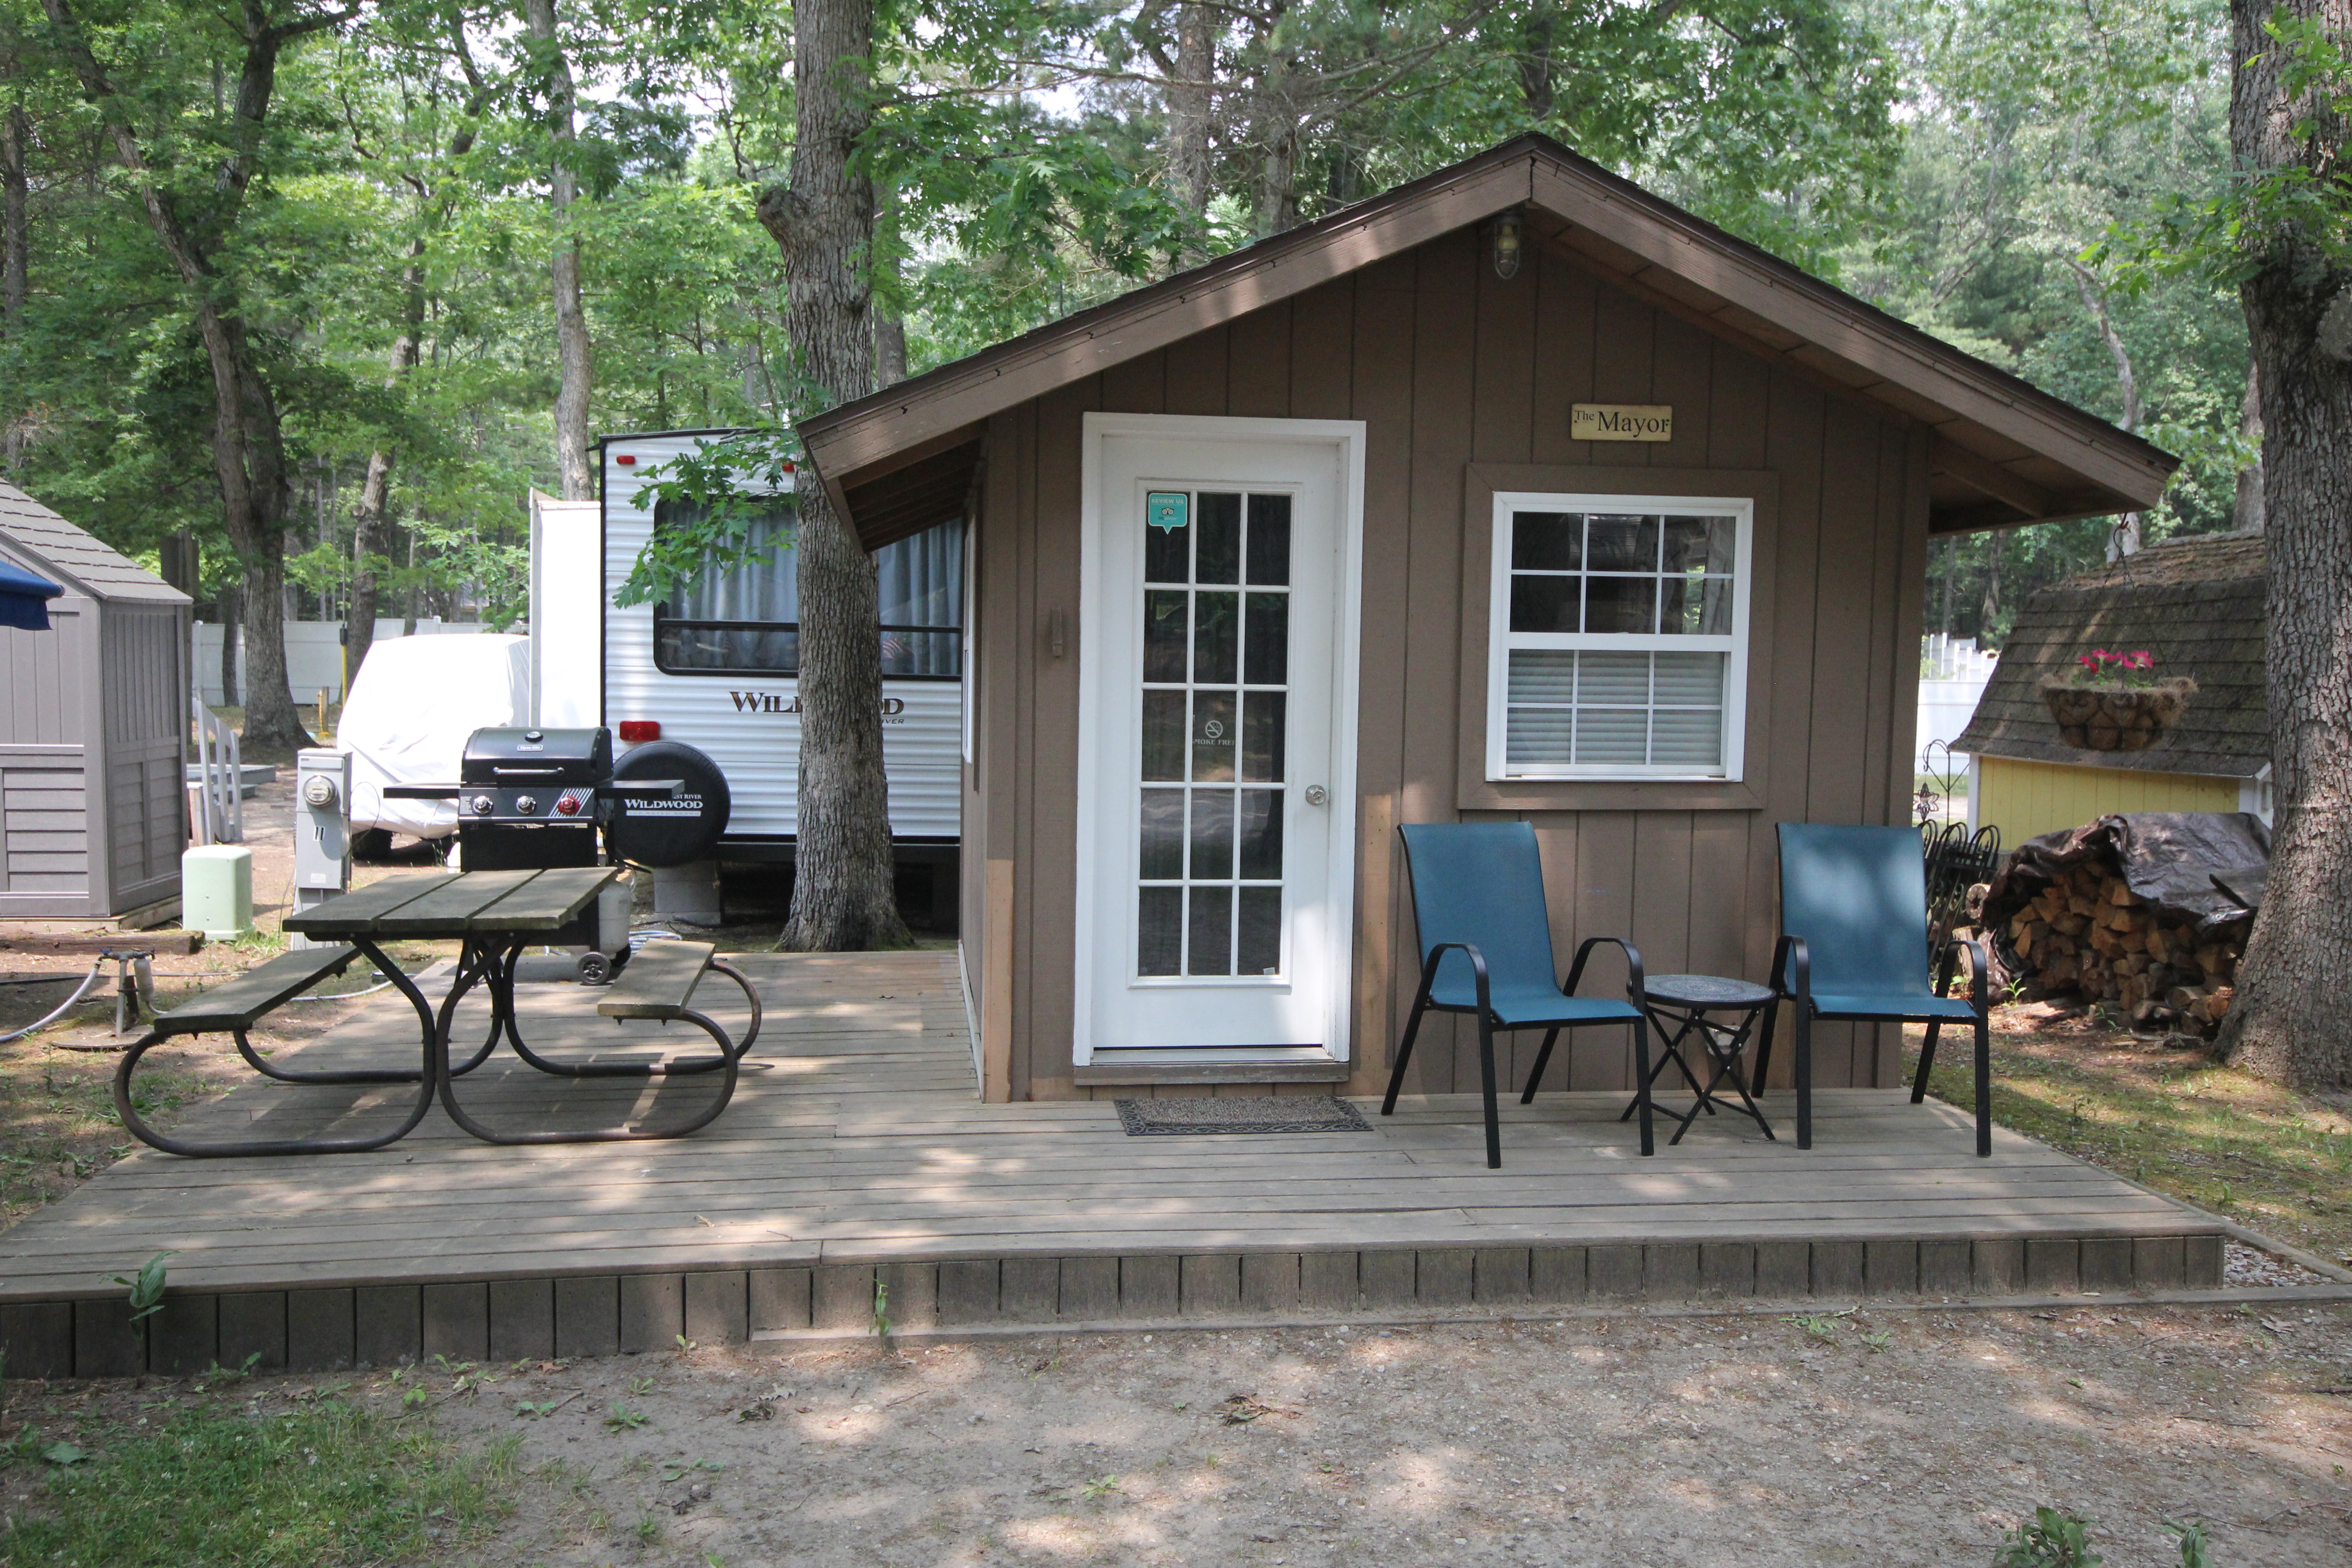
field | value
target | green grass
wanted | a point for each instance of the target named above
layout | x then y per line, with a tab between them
212	1489
2180	1122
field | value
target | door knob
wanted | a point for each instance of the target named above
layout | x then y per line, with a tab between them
1315	796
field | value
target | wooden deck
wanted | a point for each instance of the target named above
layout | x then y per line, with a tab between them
857	1151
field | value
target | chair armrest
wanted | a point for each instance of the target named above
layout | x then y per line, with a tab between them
1793	955
1477	970
1980	971
1634	986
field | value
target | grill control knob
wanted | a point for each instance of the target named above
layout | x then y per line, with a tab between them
483	806
527	803
568	803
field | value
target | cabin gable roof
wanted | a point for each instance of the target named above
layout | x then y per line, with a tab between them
2004	452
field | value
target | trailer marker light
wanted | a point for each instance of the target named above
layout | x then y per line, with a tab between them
625	460
636	731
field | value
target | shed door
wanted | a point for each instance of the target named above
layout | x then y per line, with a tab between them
1208	728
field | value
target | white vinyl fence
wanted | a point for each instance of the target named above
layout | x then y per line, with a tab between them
1952	676
314	654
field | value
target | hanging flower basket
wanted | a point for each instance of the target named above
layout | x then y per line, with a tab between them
2114	701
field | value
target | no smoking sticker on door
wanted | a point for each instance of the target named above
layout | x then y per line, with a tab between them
1167	509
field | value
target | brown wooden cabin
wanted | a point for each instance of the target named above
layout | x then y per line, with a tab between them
1335	427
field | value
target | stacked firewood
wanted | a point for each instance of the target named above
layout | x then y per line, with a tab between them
2088	933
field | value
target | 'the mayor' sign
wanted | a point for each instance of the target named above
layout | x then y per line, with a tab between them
1621	422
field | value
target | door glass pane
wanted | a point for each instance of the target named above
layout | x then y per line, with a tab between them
1261	834
1160	931
1219	528
1212	736
1163	835
1163	735
1261	932
1212	931
1269	541
1262	734
1265	658
1166	553
1215	638
1213	835
1163	635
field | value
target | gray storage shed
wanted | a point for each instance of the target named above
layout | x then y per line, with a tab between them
93	736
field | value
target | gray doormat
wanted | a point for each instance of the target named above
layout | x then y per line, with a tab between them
1242	1113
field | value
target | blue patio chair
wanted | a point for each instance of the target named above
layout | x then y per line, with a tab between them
1486	947
1854	946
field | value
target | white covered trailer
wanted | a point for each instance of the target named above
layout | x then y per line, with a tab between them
716	669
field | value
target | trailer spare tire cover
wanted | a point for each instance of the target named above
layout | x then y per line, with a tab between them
655	830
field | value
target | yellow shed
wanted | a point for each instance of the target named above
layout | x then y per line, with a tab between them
2196	604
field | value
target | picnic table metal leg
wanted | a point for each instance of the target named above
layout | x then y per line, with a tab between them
503	988
496	971
127	1109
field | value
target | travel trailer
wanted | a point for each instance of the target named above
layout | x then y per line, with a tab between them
716	668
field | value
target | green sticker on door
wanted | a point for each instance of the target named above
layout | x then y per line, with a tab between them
1167	509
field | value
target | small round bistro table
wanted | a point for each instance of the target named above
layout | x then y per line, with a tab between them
1679	1007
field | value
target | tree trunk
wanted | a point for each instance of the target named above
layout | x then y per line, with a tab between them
2288	1019
2246	513
373	531
1990	606
249	446
229	624
575	367
2125	539
1188	107
842	896
15	240
1536	62
890	324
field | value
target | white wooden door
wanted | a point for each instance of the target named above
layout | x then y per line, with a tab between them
1210	736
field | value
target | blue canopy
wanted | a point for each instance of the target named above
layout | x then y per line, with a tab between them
24	599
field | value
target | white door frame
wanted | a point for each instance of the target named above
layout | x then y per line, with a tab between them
1347	437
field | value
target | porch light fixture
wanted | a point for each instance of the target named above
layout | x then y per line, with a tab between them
1507	244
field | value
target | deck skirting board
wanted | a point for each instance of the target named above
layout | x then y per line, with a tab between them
335	1330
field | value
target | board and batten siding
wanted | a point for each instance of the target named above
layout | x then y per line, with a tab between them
2026	799
1448	365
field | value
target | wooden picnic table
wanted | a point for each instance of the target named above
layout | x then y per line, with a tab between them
495	916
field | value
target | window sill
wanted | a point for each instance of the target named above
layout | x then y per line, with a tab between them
1609	794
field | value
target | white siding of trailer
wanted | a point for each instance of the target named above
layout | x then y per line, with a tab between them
746	723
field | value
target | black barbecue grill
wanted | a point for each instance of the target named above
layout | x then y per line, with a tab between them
540	800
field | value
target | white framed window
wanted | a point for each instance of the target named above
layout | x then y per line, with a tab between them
1618	637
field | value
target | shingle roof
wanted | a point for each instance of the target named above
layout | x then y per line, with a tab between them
74	557
2197	603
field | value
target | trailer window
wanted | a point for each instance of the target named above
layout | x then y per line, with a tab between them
747	621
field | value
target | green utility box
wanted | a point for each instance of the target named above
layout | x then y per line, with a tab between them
216	890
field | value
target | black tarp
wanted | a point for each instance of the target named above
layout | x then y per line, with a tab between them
2171	858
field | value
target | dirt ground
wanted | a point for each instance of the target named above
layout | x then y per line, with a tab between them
1877	1437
